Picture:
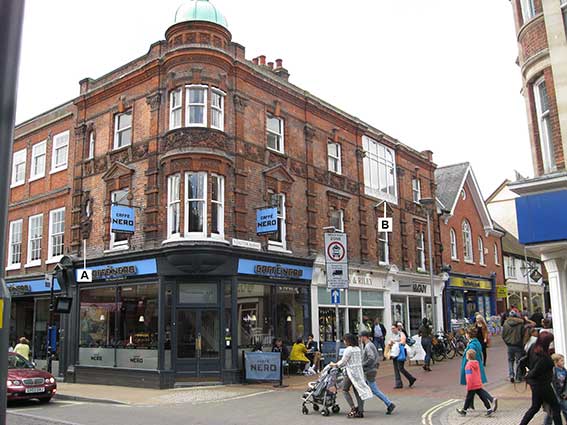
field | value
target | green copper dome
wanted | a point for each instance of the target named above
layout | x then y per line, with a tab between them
200	10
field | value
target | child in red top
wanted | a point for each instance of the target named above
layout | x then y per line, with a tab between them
474	386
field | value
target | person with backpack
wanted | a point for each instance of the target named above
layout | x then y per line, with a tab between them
513	335
540	377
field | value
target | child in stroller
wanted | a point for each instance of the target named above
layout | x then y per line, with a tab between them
323	392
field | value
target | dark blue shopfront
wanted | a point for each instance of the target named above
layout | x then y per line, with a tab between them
465	296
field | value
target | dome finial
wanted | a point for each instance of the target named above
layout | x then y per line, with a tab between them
200	10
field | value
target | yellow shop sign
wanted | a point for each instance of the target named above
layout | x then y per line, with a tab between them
468	283
501	292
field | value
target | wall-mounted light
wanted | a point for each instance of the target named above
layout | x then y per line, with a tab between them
288	319
141	319
102	318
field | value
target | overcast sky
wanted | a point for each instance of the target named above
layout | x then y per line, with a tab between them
437	74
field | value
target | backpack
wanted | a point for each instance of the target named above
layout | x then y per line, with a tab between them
522	367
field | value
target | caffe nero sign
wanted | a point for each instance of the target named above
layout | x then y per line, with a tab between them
274	270
120	271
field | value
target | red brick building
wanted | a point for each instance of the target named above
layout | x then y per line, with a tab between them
196	139
472	246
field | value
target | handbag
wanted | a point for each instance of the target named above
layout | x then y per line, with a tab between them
387	351
402	356
410	341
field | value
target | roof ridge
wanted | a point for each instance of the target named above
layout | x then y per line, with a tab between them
454	165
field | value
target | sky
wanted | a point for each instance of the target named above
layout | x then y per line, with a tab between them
438	75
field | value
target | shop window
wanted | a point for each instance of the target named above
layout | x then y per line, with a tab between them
198	293
379	170
60	152
383	248
328	324
457	306
275	133
228	324
337	220
416	190
35	234
56	234
354	319
15	245
196	106
372	298
19	168
292	302
353	297
217	206
279	238
454	255
324	296
334	157
370	316
420	251
119	240
38	160
196	204
255	305
167	344
217	109
416	315
41	319
467	242
544	123
399	310
173	205
175	109
122	130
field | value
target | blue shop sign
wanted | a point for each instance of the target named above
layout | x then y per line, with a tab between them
121	219
275	270
266	221
259	366
542	217
121	271
31	287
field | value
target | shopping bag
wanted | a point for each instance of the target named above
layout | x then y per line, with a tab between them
402	356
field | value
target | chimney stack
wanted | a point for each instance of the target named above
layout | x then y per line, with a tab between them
262	59
271	65
279	63
255	60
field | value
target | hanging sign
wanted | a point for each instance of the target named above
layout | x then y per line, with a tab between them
266	221
336	260
385	224
121	219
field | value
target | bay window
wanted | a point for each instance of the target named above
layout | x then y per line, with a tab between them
173	205
278	239
38	160
56	234
196	98
217	109
528	9
217	205
35	233
196	204
379	170
122	130
175	109
15	244
19	167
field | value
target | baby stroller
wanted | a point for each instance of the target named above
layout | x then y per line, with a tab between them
322	394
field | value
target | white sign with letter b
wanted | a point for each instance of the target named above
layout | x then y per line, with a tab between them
385	224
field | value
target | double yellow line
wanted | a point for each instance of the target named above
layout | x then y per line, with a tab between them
427	417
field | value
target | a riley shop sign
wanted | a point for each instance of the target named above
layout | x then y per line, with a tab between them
122	219
266	221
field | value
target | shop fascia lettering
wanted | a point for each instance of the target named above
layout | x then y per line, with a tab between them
415	287
278	271
360	280
112	273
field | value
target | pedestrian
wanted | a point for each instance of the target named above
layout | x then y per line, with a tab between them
370	365
474	344
483	335
532	338
379	335
23	348
426	334
513	336
559	384
540	377
313	353
398	355
537	317
352	363
279	347
474	387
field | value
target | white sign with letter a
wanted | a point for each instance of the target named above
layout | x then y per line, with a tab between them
85	276
385	224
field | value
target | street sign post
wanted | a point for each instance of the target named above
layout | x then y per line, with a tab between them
336	261
335	296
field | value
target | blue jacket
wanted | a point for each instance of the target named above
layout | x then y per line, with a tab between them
475	345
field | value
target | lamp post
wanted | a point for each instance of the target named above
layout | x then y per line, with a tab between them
428	204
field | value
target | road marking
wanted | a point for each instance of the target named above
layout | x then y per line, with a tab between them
426	418
43	418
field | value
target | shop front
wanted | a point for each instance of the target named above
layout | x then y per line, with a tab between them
518	296
467	295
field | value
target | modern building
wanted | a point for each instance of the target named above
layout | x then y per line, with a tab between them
472	249
184	149
541	26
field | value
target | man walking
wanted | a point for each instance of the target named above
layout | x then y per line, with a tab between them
370	367
379	335
513	336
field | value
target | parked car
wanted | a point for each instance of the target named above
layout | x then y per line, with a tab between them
26	382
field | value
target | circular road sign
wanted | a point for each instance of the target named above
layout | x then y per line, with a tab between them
336	251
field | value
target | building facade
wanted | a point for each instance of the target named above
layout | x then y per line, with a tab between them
196	140
541	26
472	249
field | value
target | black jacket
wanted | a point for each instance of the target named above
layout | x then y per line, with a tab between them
541	368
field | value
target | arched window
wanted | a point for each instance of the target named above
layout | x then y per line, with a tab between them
454	255
496	259
480	250
467	241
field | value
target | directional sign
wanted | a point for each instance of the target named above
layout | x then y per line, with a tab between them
385	224
336	260
84	276
335	296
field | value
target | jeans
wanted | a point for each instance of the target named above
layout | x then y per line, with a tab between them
483	345
379	343
543	394
483	395
399	368
376	391
427	347
514	356
347	385
563	407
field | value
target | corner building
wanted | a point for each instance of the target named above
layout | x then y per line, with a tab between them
196	138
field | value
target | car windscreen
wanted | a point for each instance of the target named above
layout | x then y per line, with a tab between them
18	362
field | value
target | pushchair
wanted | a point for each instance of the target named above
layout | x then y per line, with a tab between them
322	394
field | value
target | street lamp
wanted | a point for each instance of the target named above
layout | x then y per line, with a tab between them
429	204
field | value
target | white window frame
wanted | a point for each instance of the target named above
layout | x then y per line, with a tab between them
334	162
480	243
468	253
218	204
91	152
31	262
173	181
37	158
454	251
19	159
420	251
12	244
416	189
124	243
60	141
175	108
203	105
281	222
279	136
217	109
544	126
118	131
528	10
55	258
496	256
511	267
341	215
203	233
377	166
383	247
